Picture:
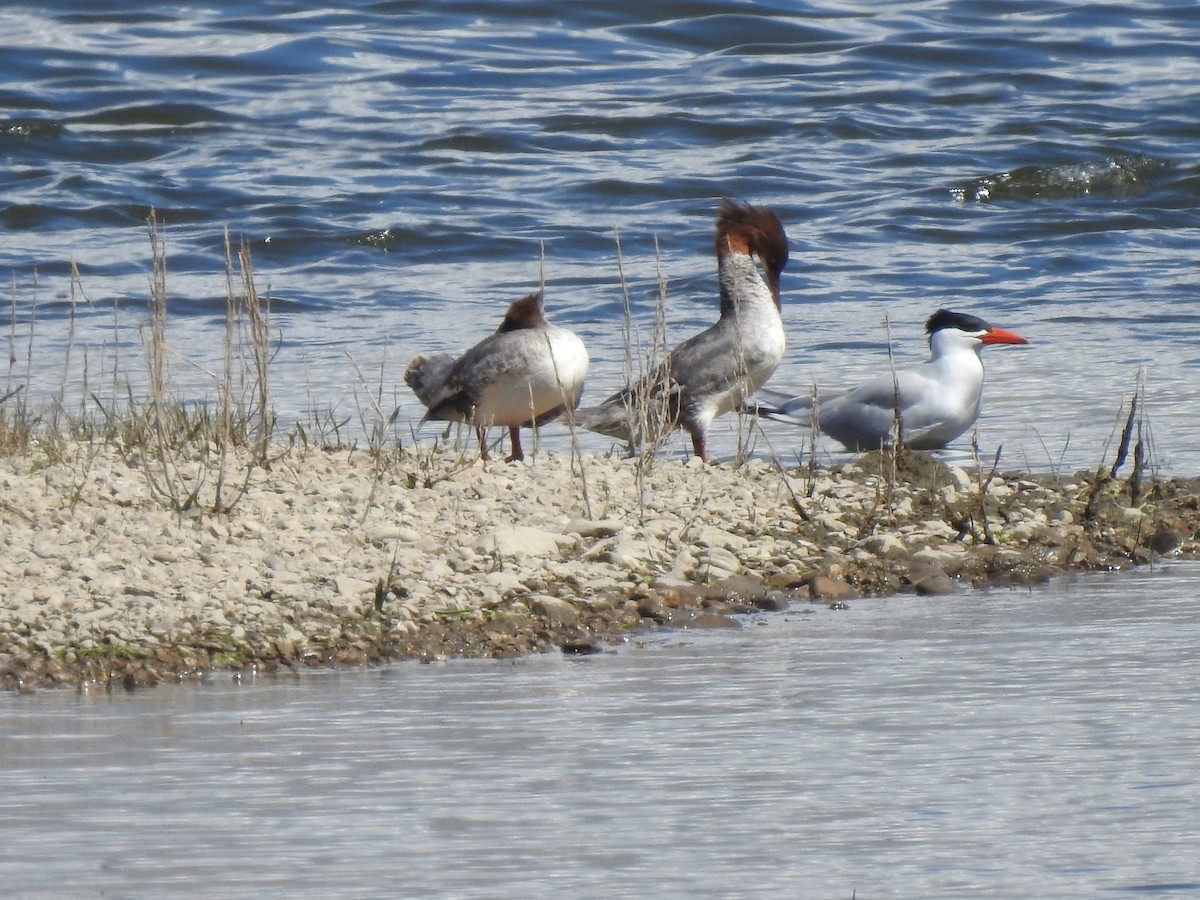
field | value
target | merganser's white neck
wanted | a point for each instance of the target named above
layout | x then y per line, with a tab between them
741	284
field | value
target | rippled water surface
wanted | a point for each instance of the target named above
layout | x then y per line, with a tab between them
1002	744
398	169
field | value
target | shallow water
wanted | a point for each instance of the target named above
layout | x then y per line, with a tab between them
1002	743
398	169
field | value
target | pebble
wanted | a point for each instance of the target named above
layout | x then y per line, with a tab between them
931	581
299	560
556	610
598	528
517	540
823	587
349	586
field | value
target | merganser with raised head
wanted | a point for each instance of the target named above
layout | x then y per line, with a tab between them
526	373
932	404
711	373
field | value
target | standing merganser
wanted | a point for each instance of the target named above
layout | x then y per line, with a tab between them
710	373
932	404
525	374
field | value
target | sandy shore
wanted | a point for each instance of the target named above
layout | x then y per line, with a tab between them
338	557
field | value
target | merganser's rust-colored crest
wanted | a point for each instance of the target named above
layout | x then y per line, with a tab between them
523	313
743	228
710	373
523	375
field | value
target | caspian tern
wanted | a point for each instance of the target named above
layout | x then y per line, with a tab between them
933	403
524	374
712	372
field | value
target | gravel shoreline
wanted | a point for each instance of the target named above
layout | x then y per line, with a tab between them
345	558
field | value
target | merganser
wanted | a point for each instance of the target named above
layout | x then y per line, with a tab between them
526	373
933	403
710	373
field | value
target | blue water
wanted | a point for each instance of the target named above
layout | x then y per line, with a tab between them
398	171
998	744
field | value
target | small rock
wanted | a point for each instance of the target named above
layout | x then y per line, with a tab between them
772	601
822	587
963	479
581	648
714	560
716	538
1165	541
503	581
712	620
931	582
1131	514
886	545
348	586
742	587
384	533
594	528
653	608
520	540
555	610
632	555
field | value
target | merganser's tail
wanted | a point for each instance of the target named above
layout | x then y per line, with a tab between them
644	412
611	419
780	406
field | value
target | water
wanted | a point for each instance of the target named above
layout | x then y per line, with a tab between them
1000	743
398	169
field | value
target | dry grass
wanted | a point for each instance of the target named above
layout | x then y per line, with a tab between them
203	455
649	412
196	454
